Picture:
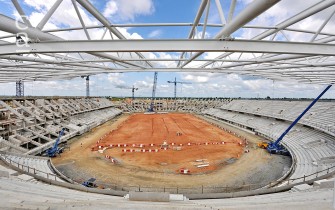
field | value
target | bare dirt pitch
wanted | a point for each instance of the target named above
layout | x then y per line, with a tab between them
148	169
192	143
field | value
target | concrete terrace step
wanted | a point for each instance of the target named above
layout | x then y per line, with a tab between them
306	157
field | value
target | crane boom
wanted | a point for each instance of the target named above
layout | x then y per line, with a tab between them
275	147
132	91
54	150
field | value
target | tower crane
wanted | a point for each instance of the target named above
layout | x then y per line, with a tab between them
151	108
87	85
132	91
175	86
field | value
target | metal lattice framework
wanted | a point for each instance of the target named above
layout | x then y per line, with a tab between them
270	53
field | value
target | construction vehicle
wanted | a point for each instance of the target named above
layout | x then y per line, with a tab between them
275	147
262	145
90	183
53	151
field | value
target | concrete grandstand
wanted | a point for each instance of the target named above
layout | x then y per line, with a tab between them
30	126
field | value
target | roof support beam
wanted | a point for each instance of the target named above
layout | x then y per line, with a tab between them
9	25
90	8
221	15
202	45
196	21
81	19
231	10
48	15
47	61
21	13
290	21
252	11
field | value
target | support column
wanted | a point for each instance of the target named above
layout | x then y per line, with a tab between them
19	88
88	86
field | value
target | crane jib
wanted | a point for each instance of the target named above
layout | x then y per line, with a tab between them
301	115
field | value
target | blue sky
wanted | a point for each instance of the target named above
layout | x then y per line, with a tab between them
154	11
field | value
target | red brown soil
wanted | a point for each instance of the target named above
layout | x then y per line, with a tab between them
156	128
81	160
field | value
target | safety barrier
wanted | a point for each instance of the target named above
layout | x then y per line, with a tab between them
100	147
140	150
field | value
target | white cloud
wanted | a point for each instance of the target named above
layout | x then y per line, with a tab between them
129	35
110	8
196	78
64	15
283	11
115	79
164	55
155	33
40	4
199	35
7	89
128	9
256	85
143	84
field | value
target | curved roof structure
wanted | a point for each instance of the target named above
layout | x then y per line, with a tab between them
242	37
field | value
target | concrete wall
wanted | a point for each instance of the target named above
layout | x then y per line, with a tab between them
149	196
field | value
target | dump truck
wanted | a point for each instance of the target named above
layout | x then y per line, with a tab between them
262	145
